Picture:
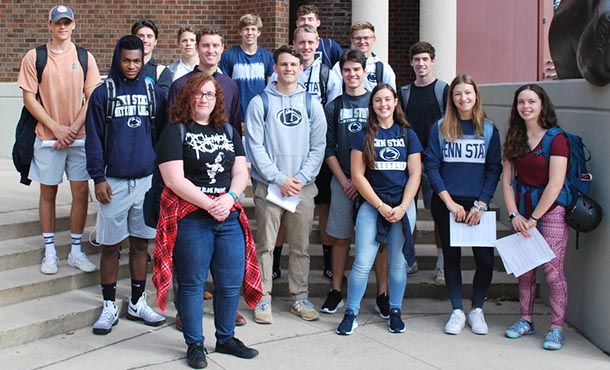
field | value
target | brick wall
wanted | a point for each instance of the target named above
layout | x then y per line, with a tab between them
99	24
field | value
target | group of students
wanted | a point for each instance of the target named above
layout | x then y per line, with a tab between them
374	159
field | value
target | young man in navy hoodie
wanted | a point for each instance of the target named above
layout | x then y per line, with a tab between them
120	160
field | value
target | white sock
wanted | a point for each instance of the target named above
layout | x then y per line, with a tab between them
77	240
49	244
440	262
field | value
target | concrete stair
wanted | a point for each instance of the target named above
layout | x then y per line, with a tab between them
35	306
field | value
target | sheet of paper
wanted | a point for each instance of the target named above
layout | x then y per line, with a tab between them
76	143
520	254
274	195
481	235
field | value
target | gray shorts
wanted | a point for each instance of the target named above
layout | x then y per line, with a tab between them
123	216
48	164
340	216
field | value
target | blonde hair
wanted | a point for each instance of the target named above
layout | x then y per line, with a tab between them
250	20
451	129
362	25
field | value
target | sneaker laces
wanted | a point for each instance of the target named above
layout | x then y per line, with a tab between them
554	335
108	314
476	317
265	306
303	303
455	318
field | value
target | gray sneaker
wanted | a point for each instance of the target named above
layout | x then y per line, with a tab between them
413	269
108	318
262	313
142	312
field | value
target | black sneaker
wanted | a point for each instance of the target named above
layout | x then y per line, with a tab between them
195	356
383	305
236	348
334	300
395	323
327	272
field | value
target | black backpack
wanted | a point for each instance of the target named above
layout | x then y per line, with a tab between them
25	135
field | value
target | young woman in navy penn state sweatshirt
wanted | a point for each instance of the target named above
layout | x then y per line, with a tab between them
463	162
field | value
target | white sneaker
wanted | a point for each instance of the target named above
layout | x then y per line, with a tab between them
439	278
476	321
108	318
456	322
49	265
142	312
81	262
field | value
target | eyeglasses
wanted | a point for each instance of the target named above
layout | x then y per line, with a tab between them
363	38
208	95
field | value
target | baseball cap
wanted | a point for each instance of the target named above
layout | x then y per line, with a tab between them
59	12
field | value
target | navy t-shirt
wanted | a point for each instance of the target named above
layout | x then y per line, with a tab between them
390	175
208	154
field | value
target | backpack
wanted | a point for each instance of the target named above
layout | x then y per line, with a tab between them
152	199
578	178
324	76
379	71
111	102
439	90
25	134
265	98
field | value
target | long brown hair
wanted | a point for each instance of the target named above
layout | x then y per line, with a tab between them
516	145
181	110
372	124
451	128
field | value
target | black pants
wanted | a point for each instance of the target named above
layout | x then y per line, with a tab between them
483	257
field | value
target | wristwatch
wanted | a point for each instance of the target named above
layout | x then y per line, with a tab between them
479	207
513	215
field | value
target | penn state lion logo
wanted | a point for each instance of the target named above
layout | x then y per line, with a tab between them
371	77
389	154
134	122
289	117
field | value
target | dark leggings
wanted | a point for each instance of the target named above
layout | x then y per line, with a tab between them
483	257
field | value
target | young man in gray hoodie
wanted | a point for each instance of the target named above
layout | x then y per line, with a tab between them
285	141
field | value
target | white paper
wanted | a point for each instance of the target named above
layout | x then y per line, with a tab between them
481	235
520	254
76	143
274	195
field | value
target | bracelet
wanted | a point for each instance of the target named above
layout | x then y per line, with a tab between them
534	218
403	207
234	195
479	206
379	206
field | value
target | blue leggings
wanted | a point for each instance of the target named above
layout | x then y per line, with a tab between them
483	257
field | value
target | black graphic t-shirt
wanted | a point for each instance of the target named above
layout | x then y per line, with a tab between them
208	154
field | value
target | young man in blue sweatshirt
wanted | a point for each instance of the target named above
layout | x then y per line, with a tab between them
120	160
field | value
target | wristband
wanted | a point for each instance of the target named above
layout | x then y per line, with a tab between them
379	206
512	216
234	195
479	207
534	218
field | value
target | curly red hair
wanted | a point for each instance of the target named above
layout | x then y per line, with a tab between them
181	110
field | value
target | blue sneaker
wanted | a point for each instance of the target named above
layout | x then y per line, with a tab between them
519	329
348	324
554	339
395	323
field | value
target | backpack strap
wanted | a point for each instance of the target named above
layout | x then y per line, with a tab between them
265	98
308	106
159	70
110	107
547	140
83	59
41	61
324	76
379	71
152	107
439	92
404	94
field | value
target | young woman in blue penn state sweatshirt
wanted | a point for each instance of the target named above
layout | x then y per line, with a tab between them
386	171
464	182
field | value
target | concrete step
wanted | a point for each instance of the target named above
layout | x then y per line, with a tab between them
425	253
27	283
29	250
23	223
60	313
420	285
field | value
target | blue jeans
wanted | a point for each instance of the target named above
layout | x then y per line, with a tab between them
366	251
201	245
